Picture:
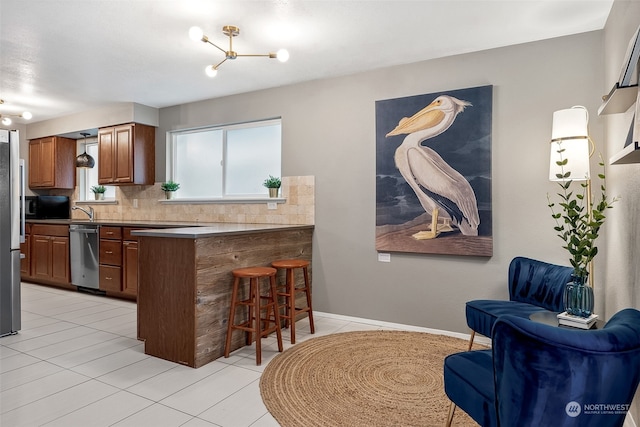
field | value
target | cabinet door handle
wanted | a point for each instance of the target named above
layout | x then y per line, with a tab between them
108	252
107	278
108	232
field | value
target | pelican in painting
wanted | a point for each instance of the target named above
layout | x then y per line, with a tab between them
436	184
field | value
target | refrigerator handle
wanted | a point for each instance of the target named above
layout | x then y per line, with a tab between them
22	210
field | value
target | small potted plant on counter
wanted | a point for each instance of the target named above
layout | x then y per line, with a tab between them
98	191
169	189
273	184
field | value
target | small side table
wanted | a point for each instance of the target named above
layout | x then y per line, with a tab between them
550	318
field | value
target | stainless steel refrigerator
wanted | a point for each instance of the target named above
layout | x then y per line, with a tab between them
11	231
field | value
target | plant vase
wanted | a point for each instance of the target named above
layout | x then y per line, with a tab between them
169	195
273	192
99	196
578	297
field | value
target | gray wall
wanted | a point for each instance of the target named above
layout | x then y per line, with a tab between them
622	250
328	131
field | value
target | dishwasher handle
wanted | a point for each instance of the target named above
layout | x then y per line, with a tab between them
83	230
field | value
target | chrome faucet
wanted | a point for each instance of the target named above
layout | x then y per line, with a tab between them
90	212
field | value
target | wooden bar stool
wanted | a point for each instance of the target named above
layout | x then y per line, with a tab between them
289	291
254	323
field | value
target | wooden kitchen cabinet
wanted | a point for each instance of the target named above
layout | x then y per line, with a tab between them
119	261
126	154
129	261
110	259
50	254
52	163
130	267
60	265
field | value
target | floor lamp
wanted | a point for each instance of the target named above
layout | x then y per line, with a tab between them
571	149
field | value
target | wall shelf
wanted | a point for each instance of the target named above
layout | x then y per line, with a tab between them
618	100
630	154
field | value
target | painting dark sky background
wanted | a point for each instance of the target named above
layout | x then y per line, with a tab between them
465	146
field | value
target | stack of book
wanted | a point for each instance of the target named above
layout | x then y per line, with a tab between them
576	321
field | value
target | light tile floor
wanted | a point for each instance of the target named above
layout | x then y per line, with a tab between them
76	362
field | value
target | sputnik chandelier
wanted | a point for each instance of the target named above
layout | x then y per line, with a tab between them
5	119
231	31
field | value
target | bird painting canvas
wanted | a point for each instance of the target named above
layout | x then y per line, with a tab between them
433	183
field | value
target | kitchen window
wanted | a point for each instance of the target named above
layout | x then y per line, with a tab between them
89	177
225	161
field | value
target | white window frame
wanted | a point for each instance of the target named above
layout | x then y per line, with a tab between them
83	185
225	198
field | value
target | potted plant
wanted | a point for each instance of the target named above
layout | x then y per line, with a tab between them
98	191
169	188
578	224
273	184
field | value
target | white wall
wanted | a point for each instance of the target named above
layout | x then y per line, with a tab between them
329	132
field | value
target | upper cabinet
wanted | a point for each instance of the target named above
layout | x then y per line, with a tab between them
52	163
126	154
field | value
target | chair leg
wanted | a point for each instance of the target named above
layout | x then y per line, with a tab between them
473	334
452	410
255	286
276	310
291	288
308	292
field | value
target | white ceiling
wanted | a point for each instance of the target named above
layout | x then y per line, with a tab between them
59	57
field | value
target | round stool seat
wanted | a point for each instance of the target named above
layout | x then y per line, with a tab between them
290	263
254	272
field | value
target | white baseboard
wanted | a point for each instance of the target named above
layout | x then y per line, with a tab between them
478	339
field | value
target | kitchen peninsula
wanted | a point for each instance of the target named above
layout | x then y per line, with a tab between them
185	282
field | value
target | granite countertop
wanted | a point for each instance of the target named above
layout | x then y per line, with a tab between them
178	229
123	222
217	229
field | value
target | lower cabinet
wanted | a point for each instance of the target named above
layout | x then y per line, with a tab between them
49	254
110	278
118	261
47	258
110	258
130	267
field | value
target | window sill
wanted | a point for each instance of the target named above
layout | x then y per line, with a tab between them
238	200
97	202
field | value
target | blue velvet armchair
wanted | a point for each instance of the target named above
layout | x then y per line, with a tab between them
541	375
533	286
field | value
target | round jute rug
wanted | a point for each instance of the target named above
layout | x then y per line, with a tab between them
362	379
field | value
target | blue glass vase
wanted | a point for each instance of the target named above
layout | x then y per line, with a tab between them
578	297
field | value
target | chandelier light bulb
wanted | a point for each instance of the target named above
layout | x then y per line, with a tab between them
282	55
27	115
6	121
211	71
195	34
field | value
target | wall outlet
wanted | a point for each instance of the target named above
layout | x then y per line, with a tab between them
384	257
272	205
135	203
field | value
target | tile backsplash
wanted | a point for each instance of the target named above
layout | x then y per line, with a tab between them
299	207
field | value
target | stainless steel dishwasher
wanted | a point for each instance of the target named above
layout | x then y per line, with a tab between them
84	255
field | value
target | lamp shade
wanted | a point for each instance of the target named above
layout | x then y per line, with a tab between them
84	160
570	142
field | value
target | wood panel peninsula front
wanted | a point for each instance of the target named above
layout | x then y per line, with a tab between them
185	283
